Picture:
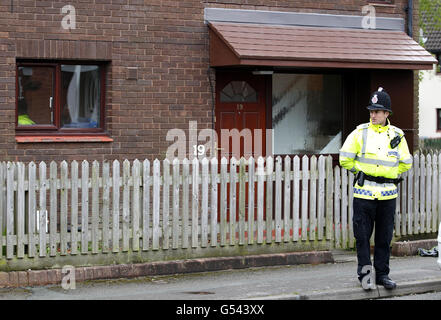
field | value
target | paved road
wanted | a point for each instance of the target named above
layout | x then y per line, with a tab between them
425	296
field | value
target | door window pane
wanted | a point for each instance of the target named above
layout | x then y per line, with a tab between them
35	95
80	102
307	113
238	91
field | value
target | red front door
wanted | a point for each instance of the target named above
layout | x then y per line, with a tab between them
240	121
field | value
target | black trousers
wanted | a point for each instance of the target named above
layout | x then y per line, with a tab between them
368	213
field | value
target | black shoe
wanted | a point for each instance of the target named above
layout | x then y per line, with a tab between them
387	283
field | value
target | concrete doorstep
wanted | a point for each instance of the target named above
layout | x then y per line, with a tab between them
410	248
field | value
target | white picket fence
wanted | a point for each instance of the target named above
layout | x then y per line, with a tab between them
148	207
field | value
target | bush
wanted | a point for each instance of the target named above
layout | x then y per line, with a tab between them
428	144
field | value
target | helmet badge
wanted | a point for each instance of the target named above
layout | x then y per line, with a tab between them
374	99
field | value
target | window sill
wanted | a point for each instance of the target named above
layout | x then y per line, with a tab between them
51	139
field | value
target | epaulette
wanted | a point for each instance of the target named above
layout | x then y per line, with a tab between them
363	126
397	130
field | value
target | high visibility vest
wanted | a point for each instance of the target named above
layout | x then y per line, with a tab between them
368	149
24	119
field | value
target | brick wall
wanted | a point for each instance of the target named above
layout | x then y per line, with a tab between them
157	78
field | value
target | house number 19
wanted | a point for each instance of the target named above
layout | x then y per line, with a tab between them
199	150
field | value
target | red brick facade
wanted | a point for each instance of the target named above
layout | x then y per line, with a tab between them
158	74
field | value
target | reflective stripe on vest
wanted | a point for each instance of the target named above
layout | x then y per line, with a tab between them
370	193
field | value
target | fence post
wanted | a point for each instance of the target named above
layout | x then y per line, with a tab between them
305	177
422	194
106	206
136	207
251	200
43	212
313	198
84	207
416	184
115	205
233	195
337	212
242	201
329	198
95	205
63	207
20	223
296	198
74	208
176	187
195	203
278	202
156	203
269	199
204	203
435	187
126	206
321	197
223	202
53	209
32	209
166	204
287	199
146	182
260	198
428	193
185	200
214	204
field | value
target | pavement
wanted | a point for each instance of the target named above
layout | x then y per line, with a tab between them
318	275
338	281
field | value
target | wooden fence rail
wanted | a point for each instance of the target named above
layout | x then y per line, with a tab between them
80	209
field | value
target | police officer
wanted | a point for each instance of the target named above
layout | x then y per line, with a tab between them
377	153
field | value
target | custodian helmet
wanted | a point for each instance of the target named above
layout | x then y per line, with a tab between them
380	100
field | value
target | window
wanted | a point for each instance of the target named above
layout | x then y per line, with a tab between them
238	91
307	113
60	98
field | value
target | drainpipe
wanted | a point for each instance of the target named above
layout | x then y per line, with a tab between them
409	11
